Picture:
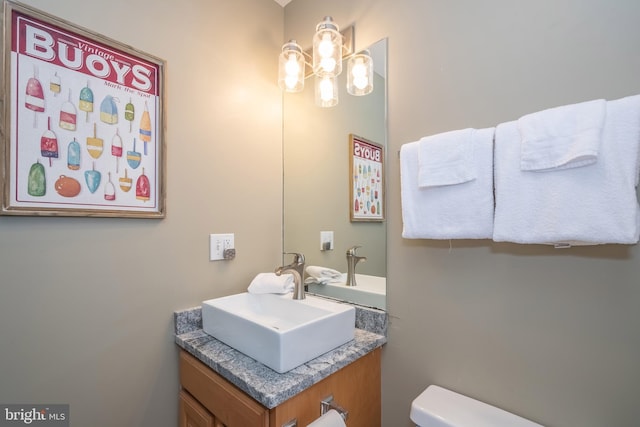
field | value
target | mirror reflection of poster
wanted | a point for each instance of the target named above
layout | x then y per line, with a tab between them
85	116
366	178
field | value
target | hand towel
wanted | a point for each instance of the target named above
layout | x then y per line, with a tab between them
446	159
594	204
563	137
270	283
460	211
323	275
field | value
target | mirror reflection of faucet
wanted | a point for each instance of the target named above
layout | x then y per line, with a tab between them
296	268
352	260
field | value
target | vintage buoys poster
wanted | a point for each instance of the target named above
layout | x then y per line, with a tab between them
88	113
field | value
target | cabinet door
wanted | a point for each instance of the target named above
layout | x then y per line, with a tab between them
356	387
192	414
229	406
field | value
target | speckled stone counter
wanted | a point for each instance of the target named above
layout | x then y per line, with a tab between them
262	383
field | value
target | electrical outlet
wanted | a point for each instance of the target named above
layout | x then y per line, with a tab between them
218	243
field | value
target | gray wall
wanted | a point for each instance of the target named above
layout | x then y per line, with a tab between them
86	305
550	335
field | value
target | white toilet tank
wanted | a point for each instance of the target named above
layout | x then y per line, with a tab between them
439	407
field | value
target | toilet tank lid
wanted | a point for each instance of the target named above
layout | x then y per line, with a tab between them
439	407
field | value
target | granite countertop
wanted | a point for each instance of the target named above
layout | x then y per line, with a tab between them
262	383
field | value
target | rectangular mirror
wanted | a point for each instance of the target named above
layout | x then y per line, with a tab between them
317	182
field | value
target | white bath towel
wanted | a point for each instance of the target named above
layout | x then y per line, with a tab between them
270	283
446	158
593	204
323	275
460	211
563	137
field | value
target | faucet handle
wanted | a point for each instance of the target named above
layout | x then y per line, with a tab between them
352	250
298	258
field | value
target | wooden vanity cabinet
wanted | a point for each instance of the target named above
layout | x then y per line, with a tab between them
207	399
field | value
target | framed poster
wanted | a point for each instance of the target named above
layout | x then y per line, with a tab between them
82	122
366	179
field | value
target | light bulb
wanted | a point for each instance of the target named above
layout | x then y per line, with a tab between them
328	64
326	89
359	69
360	78
291	82
292	68
325	48
359	73
360	82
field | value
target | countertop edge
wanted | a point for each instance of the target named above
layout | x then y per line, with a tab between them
263	384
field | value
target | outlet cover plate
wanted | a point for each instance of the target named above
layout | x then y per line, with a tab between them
218	243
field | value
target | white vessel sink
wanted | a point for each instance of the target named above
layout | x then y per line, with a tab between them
277	330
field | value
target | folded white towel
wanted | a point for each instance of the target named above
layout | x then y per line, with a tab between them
562	137
270	283
446	158
588	205
323	275
461	211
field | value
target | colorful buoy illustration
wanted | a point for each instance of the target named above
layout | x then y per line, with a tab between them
133	157
68	115
55	85
67	186
49	143
95	145
92	178
109	110
86	100
109	189
116	148
145	128
34	99
143	188
37	182
129	114
125	182
73	155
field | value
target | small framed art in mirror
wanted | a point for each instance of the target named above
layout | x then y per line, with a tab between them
366	179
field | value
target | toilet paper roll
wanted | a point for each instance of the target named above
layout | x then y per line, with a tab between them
331	418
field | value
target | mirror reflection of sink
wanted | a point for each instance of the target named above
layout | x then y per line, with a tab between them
276	330
370	291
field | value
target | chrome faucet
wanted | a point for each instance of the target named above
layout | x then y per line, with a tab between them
297	269
352	260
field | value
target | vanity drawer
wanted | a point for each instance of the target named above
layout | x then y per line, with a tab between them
228	404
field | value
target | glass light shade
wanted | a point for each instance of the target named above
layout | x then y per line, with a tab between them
360	74
327	49
326	90
291	68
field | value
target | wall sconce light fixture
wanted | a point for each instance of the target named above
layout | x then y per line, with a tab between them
330	47
360	74
327	49
291	68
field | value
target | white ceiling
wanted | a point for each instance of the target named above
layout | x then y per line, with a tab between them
282	3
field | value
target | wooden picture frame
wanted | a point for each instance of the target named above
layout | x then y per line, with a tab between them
366	180
81	121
